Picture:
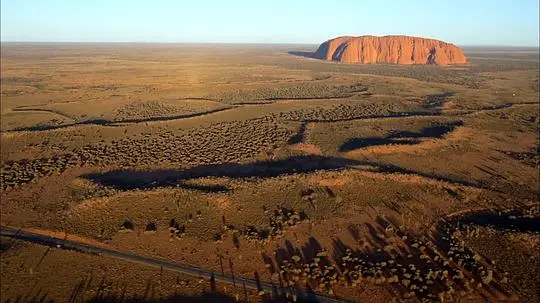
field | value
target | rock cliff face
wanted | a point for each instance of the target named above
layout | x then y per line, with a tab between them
390	49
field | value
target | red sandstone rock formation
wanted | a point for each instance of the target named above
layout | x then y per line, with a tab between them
390	49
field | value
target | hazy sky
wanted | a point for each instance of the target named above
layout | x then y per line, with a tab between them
464	22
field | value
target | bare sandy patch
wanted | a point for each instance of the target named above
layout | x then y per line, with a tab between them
101	202
223	202
12	134
96	203
414	180
338	179
307	148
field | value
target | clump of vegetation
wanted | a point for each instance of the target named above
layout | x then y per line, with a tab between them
176	230
251	233
279	221
283	218
127	226
318	273
151	227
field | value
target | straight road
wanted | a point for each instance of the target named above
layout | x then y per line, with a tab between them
182	268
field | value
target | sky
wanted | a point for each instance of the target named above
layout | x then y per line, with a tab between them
463	22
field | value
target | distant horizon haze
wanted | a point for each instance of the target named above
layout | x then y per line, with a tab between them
469	47
487	23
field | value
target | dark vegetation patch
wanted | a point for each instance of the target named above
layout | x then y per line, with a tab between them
17	80
349	112
531	158
437	100
535	85
7	244
220	142
127	226
151	227
280	220
302	91
176	230
108	86
26	81
299	137
497	106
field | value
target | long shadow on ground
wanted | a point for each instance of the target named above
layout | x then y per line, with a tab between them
400	137
119	298
204	298
127	180
130	179
303	54
508	221
177	298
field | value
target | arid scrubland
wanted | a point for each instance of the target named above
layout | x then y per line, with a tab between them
357	182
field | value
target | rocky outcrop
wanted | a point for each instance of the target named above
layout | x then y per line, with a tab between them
390	49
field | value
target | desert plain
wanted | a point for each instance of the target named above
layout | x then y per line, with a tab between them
330	181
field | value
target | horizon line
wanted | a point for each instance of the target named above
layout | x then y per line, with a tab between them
225	43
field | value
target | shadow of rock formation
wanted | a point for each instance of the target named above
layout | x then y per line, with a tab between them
304	54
